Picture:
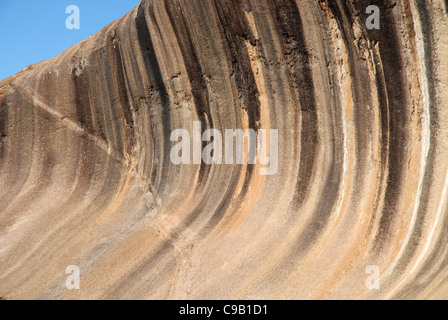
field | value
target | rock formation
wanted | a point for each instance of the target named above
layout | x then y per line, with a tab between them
362	117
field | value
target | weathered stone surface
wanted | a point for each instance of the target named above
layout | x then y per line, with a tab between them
86	178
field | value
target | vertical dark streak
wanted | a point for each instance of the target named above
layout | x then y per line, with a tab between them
292	29
195	73
419	285
290	26
398	126
3	128
122	95
158	92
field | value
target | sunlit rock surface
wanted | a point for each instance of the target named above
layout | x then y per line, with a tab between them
86	177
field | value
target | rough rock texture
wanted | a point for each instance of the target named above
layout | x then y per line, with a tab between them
86	178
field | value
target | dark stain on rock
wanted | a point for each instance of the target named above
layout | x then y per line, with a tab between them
158	93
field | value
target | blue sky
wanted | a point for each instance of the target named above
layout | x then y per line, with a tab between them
35	30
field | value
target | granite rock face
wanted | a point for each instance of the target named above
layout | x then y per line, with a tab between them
86	177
